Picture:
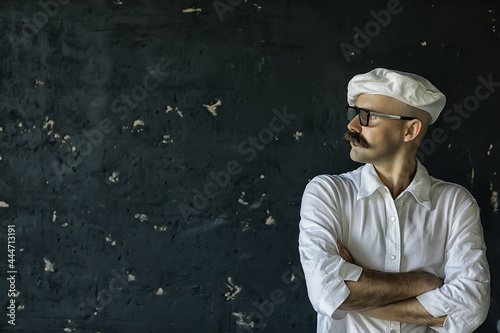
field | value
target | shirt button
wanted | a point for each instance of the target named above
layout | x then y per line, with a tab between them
393	257
393	219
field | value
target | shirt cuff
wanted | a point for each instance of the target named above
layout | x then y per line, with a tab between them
335	298
432	303
436	307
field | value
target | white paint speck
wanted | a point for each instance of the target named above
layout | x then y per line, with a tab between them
160	228
20	307
166	139
138	126
423	43
245	226
191	10
39	83
270	220
109	240
233	289
159	291
168	109
64	225
494	201
49	267
130	277
66	329
54	216
243	320
241	201
114	177
298	135
141	217
489	149
3	204
48	123
212	108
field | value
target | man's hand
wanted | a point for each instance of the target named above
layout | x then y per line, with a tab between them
344	253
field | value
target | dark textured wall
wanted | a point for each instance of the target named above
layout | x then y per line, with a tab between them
154	153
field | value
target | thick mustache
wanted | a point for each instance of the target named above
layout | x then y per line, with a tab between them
356	139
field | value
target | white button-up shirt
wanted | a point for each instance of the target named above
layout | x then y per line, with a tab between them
432	226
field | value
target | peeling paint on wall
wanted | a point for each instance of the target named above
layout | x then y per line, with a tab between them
243	320
141	217
270	220
176	110
494	201
212	108
114	177
48	124
49	267
233	289
109	240
39	83
241	201
297	135
192	10
167	139
138	126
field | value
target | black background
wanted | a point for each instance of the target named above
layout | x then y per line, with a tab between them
229	263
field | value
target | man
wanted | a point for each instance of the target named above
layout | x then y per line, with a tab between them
386	247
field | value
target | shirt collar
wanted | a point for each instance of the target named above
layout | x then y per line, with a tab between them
419	187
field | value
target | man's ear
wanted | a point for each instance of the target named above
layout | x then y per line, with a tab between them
412	129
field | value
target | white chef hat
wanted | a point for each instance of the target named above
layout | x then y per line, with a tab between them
409	88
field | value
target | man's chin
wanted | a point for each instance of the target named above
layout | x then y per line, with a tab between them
355	154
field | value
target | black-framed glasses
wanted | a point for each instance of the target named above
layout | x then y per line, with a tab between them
364	115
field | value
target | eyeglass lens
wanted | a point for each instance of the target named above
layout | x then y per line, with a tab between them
363	115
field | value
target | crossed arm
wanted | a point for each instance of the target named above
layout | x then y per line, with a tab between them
390	296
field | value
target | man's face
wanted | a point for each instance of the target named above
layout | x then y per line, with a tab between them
382	140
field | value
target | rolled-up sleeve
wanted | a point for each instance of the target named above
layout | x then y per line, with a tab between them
465	295
325	270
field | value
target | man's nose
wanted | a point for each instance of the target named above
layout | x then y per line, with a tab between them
354	125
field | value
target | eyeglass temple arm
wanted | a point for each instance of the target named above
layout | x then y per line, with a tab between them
381	115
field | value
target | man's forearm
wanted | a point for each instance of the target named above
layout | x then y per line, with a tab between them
375	289
406	311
